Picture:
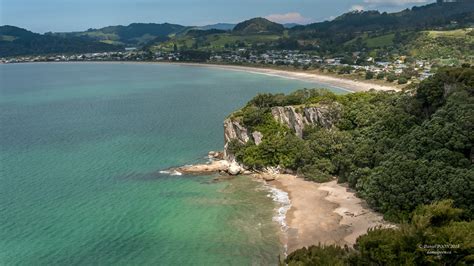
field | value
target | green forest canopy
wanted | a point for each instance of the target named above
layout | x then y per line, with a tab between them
398	150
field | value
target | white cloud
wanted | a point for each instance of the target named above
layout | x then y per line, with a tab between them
375	4
356	8
292	17
394	2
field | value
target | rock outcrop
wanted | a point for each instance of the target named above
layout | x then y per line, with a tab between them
288	116
297	119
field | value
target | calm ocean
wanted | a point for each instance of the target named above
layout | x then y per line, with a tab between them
81	149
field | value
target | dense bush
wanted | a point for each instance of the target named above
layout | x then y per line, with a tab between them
369	75
391	77
402	80
319	255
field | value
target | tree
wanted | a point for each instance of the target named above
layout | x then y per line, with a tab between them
369	75
391	77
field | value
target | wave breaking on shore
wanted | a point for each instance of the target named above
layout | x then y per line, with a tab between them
283	200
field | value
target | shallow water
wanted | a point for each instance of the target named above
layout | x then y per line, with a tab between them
82	146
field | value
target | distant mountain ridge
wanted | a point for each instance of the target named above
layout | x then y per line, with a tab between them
132	35
290	25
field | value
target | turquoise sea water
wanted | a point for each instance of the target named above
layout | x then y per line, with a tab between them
81	147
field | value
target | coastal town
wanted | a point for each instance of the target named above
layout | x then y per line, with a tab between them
401	70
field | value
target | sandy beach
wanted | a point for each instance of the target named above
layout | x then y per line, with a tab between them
345	84
340	83
326	213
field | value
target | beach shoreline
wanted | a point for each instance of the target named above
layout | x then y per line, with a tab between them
341	83
345	84
308	213
324	213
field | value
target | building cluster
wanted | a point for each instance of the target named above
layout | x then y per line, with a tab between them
244	56
301	59
130	55
275	57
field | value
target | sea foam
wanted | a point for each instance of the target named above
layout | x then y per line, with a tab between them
172	172
283	200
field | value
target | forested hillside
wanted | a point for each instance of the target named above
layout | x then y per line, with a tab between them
384	36
17	41
410	154
397	149
132	35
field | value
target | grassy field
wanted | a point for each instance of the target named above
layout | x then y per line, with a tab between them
444	46
380	41
459	33
375	42
450	45
7	38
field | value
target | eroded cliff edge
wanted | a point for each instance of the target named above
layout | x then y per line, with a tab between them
296	118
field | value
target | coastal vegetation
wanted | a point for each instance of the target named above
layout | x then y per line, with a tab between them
409	154
436	234
399	150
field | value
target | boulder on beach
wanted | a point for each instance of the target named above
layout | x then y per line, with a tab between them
234	168
268	177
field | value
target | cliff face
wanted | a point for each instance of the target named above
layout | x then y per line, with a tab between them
293	117
296	119
233	130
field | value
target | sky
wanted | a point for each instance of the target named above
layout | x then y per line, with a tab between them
77	15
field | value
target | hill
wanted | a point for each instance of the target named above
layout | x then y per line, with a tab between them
16	41
428	16
258	26
370	33
134	34
218	26
332	34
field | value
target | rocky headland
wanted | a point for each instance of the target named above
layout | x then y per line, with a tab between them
327	213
